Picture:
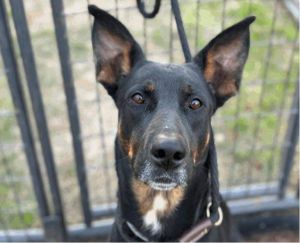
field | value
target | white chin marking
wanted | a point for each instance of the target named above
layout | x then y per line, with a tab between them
150	219
162	186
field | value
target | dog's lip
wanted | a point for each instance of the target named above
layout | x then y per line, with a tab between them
162	183
162	186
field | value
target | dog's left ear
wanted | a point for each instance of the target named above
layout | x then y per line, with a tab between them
222	60
115	50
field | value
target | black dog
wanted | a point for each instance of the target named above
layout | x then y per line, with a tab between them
164	128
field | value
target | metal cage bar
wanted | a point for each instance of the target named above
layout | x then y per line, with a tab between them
64	57
96	223
14	82
292	138
20	22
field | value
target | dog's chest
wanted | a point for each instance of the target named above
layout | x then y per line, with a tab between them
152	217
155	205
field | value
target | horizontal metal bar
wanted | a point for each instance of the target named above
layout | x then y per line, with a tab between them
248	191
264	205
103	211
32	235
238	192
101	229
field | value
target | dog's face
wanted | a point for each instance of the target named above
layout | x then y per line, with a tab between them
164	121
165	110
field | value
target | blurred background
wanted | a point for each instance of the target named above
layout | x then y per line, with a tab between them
57	126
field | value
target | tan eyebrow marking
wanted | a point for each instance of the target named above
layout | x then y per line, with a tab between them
188	89
150	87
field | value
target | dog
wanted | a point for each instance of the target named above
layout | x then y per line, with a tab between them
164	119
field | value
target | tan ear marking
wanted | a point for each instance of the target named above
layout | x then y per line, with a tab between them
115	58
228	89
223	65
106	75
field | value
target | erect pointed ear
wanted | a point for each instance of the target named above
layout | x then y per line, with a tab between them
115	50
222	60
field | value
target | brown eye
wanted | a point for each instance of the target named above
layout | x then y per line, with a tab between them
195	104
138	99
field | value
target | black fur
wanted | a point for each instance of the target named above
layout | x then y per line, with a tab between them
164	121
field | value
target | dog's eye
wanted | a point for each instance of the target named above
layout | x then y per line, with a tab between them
138	98
195	104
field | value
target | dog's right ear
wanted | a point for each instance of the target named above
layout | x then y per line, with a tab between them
115	50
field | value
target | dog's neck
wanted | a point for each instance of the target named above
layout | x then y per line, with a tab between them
178	220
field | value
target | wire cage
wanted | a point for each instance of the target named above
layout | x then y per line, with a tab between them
57	126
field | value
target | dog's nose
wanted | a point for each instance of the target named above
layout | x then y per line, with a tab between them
168	153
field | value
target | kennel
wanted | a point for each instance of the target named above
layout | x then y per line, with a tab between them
57	126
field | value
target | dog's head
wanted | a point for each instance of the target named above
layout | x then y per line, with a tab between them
165	110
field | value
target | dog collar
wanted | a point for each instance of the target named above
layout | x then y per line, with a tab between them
203	227
196	233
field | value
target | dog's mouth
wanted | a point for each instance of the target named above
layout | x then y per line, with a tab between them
160	179
162	184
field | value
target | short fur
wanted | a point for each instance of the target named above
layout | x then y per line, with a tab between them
165	111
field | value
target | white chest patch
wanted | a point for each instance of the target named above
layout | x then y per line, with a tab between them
150	219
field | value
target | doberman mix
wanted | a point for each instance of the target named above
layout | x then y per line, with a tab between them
163	134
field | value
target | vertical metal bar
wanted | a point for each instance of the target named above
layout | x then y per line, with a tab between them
24	41
291	139
64	57
283	98
108	188
263	90
145	44
181	32
117	8
236	128
223	14
15	87
171	57
197	26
